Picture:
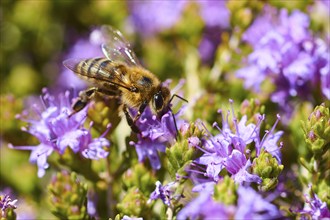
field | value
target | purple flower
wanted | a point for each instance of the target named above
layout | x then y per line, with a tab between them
155	135
237	165
165	193
83	49
6	204
315	208
285	51
156	132
56	130
229	150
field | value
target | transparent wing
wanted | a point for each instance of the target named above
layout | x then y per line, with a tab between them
99	71
116	47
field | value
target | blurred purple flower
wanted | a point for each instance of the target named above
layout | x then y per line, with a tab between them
286	52
151	17
216	18
125	217
214	13
84	48
228	150
204	207
250	205
56	130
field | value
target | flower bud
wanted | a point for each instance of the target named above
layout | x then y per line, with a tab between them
140	177
134	203
225	191
317	129
183	152
68	196
267	167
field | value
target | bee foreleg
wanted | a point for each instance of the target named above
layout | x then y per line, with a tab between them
140	111
130	120
83	99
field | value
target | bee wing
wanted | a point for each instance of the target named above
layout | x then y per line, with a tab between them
99	69
116	47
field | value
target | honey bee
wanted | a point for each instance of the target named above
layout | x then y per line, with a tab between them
120	75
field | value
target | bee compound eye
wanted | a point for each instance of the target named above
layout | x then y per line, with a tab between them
78	105
159	102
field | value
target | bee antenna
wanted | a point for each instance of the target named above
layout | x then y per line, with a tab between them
176	127
175	95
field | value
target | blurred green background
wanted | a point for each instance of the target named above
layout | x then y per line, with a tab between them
36	34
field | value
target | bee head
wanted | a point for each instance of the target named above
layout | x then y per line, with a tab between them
160	101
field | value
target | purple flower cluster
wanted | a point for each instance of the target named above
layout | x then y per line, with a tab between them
56	130
250	205
285	51
230	150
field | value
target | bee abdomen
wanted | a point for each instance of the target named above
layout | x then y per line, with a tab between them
95	68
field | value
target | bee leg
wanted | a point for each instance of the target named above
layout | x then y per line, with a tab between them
140	111
130	120
83	99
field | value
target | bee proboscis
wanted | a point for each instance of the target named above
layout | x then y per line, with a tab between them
120	75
